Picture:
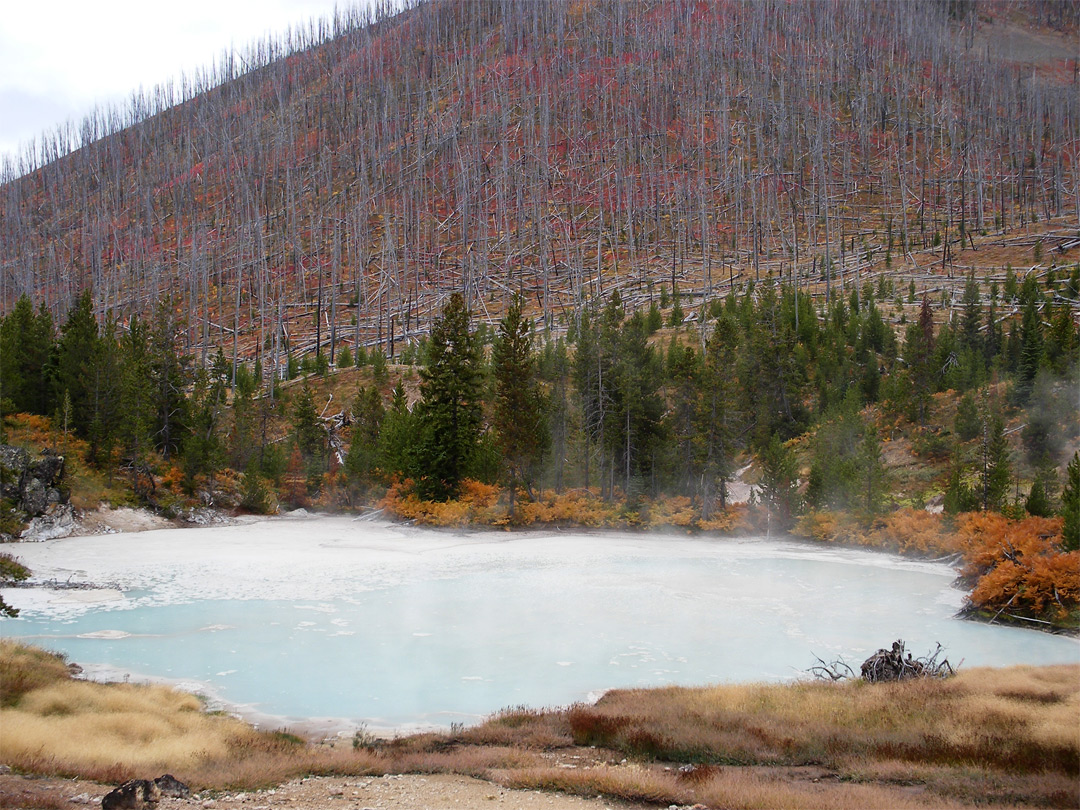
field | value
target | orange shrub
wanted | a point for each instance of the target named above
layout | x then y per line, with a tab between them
576	506
1018	564
831	527
173	479
987	538
478	505
677	510
733	520
915	531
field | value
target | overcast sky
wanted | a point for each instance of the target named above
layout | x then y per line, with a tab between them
60	58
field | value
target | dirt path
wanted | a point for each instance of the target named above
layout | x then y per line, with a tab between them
429	792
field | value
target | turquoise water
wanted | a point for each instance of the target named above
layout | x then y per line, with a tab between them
453	627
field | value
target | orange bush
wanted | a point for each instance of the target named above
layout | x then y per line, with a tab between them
577	506
478	505
672	510
1018	564
733	520
916	531
987	538
173	479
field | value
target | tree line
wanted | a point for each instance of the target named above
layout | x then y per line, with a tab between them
632	403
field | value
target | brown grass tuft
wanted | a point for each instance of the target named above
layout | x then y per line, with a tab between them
24	668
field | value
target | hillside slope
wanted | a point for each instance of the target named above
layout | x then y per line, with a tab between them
340	189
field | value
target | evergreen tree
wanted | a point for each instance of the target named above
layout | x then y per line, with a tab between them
367	419
136	392
11	570
1039	500
838	458
1070	506
959	495
971	320
1031	352
397	436
718	417
1062	340
591	367
555	371
26	348
204	449
997	464
684	373
73	371
967	423
106	395
243	442
919	352
518	417
308	433
169	376
779	484
632	428
254	494
450	413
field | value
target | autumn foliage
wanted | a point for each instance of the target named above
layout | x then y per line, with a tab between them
1018	565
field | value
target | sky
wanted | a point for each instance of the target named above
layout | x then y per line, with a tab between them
61	58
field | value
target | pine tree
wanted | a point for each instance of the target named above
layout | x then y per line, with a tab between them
1031	352
450	413
919	351
1038	501
718	415
204	450
633	422
106	395
1070	505
518	416
959	496
254	495
967	423
73	371
397	436
997	464
308	433
169	376
779	484
136	425
367	419
26	348
684	373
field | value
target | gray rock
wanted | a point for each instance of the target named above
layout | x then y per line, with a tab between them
30	485
57	521
172	787
138	794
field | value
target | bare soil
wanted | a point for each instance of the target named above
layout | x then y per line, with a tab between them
411	792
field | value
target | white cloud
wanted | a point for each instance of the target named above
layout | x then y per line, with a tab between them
61	58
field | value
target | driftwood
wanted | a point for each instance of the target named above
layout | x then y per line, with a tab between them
887	665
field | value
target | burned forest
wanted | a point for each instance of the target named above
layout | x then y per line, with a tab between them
334	186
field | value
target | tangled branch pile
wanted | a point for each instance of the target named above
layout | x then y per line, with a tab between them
888	665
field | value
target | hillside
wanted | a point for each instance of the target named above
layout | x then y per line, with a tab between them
335	187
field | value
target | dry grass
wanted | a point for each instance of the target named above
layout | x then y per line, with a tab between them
987	738
24	668
1017	719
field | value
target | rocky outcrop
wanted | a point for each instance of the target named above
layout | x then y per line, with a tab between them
30	487
142	794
